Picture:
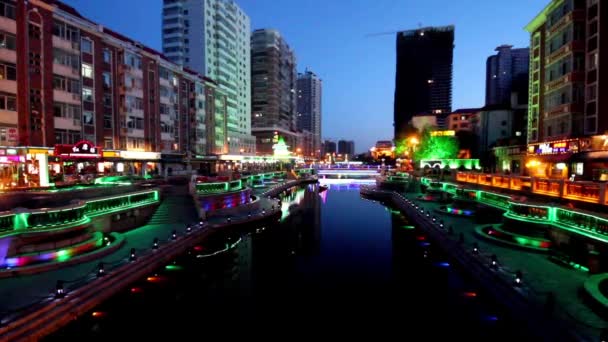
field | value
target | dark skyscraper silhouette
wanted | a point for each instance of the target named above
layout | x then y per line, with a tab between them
423	82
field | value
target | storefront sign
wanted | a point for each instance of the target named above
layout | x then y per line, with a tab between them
82	149
140	155
12	134
443	133
9	159
555	147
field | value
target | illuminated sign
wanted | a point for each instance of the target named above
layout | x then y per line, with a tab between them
443	133
111	154
140	155
82	149
556	147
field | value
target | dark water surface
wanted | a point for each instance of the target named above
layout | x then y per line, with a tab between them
338	265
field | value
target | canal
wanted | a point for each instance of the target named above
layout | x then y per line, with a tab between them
336	263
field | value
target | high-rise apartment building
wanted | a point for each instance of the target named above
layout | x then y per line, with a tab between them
565	119
69	84
423	81
309	103
212	37
346	147
507	73
274	77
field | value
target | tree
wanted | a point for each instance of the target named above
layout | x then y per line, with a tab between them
436	147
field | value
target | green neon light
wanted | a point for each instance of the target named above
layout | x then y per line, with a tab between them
174	267
63	255
436	147
408	227
21	221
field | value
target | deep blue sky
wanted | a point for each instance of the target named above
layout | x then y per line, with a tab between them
331	38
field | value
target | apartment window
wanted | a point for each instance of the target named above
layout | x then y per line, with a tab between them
65	110
86	46
63	136
7	10
7	41
87	70
88	118
66	84
107	56
8	102
65	31
87	94
593	60
107	100
107	120
135	123
591	92
8	71
107	80
65	58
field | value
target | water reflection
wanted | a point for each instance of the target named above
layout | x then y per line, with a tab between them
336	263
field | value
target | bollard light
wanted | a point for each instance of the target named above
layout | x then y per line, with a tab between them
494	262
475	248
174	235
100	270
229	220
59	290
249	215
188	229
132	256
155	243
518	278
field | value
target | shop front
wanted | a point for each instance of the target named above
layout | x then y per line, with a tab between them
552	159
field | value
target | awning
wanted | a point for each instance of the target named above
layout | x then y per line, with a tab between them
592	156
552	158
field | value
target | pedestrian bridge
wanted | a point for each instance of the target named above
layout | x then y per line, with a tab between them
344	173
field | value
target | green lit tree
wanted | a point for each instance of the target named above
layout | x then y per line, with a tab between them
436	147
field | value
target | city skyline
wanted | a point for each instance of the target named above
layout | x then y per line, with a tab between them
359	76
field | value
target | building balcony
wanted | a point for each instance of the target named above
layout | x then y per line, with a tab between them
65	70
565	109
571	77
67	123
8	25
8	86
135	133
7	55
573	46
137	92
8	117
67	45
66	97
576	15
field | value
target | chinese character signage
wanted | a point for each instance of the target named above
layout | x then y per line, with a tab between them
554	147
82	149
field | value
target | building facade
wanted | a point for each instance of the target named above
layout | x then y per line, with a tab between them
68	80
565	126
212	37
309	107
506	73
329	147
423	81
346	147
274	81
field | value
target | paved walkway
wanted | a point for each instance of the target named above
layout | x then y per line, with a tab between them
540	274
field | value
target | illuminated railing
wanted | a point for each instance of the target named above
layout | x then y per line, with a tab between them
531	212
112	204
588	192
547	187
581	221
218	187
581	191
74	214
497	200
45	219
398	179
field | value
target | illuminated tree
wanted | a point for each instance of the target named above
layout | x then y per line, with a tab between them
436	147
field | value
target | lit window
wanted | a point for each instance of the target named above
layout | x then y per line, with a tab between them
87	70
